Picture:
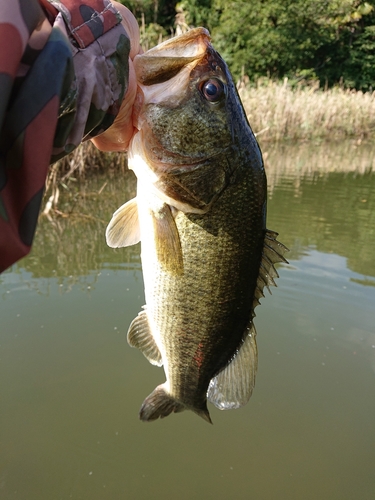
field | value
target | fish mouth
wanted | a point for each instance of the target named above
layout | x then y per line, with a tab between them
184	147
189	186
174	54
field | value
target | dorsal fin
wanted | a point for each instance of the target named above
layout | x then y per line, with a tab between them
233	386
273	252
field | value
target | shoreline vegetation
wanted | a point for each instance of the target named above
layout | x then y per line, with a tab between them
278	113
73	235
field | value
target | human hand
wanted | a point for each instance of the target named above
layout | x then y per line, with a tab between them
118	135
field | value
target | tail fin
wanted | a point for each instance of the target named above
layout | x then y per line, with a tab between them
204	413
160	404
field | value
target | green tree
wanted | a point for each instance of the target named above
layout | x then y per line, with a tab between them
332	40
156	19
160	12
286	37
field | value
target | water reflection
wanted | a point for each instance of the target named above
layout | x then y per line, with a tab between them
315	159
71	247
71	387
324	197
321	197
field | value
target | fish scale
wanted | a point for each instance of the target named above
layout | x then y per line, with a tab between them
200	214
212	301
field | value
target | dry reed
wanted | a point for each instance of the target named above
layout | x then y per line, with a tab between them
85	159
278	112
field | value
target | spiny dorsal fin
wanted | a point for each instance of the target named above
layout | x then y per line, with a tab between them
233	386
123	229
273	252
167	240
140	336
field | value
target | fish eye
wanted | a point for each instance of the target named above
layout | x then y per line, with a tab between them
213	90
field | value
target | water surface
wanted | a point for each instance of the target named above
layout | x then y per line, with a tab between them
71	387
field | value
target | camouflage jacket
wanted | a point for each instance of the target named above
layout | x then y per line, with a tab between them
52	98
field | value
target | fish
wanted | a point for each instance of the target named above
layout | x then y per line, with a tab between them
200	214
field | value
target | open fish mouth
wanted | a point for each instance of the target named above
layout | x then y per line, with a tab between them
164	61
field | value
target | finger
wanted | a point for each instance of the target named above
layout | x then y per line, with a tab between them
118	136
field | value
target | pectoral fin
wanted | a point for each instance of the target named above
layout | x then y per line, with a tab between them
167	240
123	229
233	386
140	336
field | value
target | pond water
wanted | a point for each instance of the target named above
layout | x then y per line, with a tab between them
71	387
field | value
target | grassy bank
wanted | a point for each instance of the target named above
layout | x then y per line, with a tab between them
278	112
73	239
86	159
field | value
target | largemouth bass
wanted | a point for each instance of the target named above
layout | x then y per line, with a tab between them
200	214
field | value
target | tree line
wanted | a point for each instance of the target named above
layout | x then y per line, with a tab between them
332	41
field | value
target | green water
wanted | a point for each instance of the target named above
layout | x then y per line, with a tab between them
71	387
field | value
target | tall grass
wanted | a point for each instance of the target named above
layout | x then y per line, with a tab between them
278	112
86	159
313	160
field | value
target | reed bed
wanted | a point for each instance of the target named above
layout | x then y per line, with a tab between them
278	112
86	159
313	160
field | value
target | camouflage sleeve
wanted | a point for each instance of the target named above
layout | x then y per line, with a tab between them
100	49
52	97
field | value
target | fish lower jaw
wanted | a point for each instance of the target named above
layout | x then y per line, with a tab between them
186	208
147	186
147	191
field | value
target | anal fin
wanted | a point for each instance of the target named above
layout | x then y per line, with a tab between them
233	386
140	336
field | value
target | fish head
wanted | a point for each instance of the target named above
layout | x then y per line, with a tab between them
187	114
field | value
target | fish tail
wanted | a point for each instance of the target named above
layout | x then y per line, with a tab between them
204	413
159	404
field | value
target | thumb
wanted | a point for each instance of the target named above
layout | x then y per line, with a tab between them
118	135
